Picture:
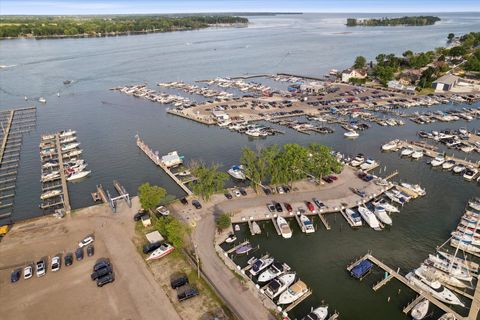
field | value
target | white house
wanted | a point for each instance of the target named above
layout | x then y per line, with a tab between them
220	115
445	83
312	87
353	73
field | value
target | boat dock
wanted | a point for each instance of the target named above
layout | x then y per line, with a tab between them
474	309
158	161
412	304
63	178
297	302
15	123
324	221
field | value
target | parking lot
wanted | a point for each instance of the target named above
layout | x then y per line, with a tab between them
70	293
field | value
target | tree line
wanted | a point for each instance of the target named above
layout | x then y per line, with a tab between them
52	26
403	21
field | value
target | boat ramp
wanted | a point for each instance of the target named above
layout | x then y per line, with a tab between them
15	123
104	196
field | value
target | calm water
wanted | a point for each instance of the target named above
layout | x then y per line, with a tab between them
106	123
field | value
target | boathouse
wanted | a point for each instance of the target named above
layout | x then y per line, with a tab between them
445	83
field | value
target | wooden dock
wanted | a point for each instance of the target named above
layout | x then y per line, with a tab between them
412	304
402	279
156	159
66	198
300	224
297	302
324	221
277	228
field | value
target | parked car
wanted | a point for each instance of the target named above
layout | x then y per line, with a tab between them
319	203
85	242
138	216
101	263
310	206
278	207
186	293
335	178
228	195
15	276
68	259
179	281
271	207
56	263
196	204
243	192
90	250
327	179
286	188
27	272
149	247
184	201
267	191
40	268
101	272
288	207
162	211
280	190
79	254
105	279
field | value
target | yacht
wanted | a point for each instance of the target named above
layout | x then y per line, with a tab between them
369	218
459	168
461	263
237	172
429	271
293	293
437	161
351	134
70	146
407	152
259	265
275	270
162	251
387	206
420	310
415	188
50	194
382	215
78	175
359	159
435	288
391	145
284	227
320	313
354	218
449	164
307	224
417	154
279	285
470	174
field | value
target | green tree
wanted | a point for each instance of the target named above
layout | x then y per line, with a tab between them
176	232
321	162
450	37
457	51
290	164
208	180
384	74
250	161
223	221
150	196
360	62
407	54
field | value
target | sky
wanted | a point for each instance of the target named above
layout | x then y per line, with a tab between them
59	7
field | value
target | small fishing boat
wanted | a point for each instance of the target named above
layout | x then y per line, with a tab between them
420	310
382	215
50	194
320	313
275	270
353	217
231	238
307	224
279	285
78	175
293	293
259	265
284	227
244	248
162	251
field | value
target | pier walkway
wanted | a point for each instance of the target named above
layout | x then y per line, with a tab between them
63	178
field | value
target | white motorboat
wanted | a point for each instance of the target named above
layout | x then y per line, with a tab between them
368	164
437	161
428	271
354	218
68	139
162	251
320	313
78	175
279	285
67	133
369	218
448	165
293	293
474	205
42	100
415	188
50	194
359	159
447	267
307	224
259	265
435	288
407	152
382	215
459	168
351	134
448	316
394	198
231	238
256	228
417	154
275	270
470	174
284	227
70	146
420	310
387	206
237	172
391	145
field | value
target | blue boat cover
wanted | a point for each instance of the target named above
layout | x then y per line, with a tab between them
361	269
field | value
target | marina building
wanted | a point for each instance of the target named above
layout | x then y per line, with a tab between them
446	82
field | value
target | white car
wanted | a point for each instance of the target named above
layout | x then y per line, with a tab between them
85	242
56	263
27	272
163	211
40	268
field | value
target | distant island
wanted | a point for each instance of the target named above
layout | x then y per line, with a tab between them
403	21
98	26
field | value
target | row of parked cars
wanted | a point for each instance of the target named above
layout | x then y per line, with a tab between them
236	192
277	206
102	272
184	290
40	267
